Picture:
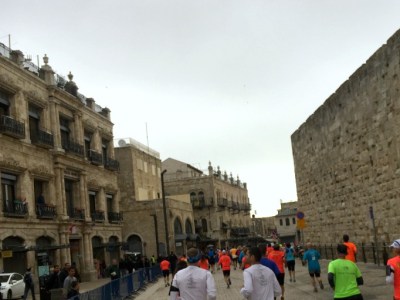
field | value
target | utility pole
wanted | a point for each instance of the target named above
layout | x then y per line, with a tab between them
165	211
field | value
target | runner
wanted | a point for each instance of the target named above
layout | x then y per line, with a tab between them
211	259
225	263
278	257
259	281
203	263
234	257
311	256
344	276
165	265
393	269
351	248
290	261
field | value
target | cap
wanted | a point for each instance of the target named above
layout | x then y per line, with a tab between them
342	249
396	244
223	251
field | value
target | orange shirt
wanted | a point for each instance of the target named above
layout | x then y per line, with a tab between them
203	263
279	258
164	265
394	264
351	251
225	262
244	263
269	250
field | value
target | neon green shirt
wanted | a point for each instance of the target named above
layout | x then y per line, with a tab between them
345	273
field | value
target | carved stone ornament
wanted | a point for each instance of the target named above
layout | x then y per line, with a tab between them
41	171
92	182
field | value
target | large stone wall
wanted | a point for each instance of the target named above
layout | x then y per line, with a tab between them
346	155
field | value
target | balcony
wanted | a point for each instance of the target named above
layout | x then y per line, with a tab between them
43	139
111	164
95	158
73	147
209	202
247	207
230	204
78	214
98	216
198	203
12	127
222	202
115	217
235	206
44	211
15	209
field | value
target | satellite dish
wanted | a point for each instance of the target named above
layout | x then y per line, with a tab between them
121	143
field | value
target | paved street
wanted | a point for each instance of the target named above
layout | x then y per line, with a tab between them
374	287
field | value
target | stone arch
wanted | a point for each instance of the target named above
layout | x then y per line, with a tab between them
178	228
188	226
18	261
114	247
135	243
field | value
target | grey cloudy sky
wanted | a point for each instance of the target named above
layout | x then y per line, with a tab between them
223	81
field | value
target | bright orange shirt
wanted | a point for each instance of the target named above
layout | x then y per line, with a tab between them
164	265
225	262
279	258
269	250
351	251
394	263
203	263
244	263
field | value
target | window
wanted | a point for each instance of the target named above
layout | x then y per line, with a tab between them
177	226
109	199
281	222
87	143
193	197
188	227
153	170
204	225
145	166
65	132
34	121
69	196
104	148
4	103
294	221
287	221
201	196
8	187
92	201
139	164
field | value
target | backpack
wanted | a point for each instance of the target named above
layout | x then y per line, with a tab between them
28	279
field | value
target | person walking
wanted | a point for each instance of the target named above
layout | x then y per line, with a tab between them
64	273
173	259
351	249
211	259
344	277
225	263
393	270
73	294
193	283
69	280
278	257
203	263
290	261
54	280
165	266
311	257
29	285
115	274
260	282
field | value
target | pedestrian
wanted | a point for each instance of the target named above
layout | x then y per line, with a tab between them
265	261
234	257
29	285
290	261
77	275
115	274
344	276
165	265
73	294
182	264
225	263
312	256
173	259
68	281
193	283
393	269
260	282
351	249
211	259
64	273
153	260
203	263
243	253
54	280
278	257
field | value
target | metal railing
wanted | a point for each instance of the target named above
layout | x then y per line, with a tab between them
78	214
43	138
98	216
44	211
126	286
95	158
16	209
222	202
73	147
115	217
12	127
111	164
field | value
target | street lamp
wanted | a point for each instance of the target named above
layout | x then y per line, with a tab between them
165	210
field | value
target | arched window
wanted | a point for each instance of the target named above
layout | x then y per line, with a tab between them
135	243
188	227
287	221
193	197
177	226
204	225
201	198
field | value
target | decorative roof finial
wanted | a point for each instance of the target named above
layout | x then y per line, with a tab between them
45	59
70	76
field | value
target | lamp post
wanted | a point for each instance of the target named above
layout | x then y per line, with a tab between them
165	211
156	231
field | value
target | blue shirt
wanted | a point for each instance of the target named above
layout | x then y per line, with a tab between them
312	256
270	264
289	254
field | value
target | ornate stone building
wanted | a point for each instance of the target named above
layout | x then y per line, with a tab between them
286	223
220	203
346	155
59	195
141	199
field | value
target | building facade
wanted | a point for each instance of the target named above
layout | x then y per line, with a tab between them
265	228
346	155
286	223
221	206
146	230
59	194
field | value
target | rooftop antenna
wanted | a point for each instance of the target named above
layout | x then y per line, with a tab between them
9	41
147	138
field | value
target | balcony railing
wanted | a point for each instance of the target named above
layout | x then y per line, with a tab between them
98	216
115	217
235	205
73	147
43	138
198	203
222	202
15	209
44	211
230	203
12	127
78	214
95	158
111	164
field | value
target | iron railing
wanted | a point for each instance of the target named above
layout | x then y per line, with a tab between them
44	211
12	127
95	158
43	138
73	147
111	164
115	217
16	209
98	216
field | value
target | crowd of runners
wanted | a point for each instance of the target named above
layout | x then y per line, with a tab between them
264	271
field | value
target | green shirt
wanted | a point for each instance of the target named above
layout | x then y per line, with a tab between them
345	273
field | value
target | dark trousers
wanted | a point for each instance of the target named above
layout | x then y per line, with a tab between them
27	288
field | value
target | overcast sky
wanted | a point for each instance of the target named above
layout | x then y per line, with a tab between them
223	81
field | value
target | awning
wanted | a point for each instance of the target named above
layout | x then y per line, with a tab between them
180	236
193	237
